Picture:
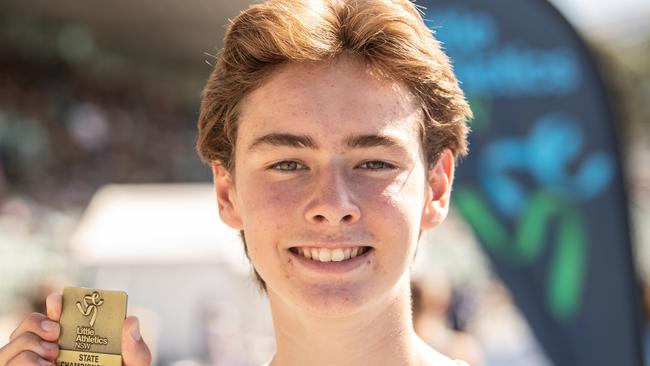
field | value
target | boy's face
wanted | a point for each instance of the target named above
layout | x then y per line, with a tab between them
313	187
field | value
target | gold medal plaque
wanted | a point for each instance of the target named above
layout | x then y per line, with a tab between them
91	327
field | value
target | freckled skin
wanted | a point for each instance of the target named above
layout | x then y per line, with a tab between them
333	197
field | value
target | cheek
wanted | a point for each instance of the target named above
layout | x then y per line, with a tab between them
266	213
401	199
268	204
396	211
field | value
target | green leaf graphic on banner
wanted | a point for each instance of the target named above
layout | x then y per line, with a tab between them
568	265
524	246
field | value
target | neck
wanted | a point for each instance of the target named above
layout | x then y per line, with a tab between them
380	334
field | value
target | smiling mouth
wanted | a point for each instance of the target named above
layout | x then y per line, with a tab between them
329	255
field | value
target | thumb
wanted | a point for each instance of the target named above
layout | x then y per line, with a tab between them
134	351
53	302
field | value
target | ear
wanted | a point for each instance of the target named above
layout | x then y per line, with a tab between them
226	197
438	191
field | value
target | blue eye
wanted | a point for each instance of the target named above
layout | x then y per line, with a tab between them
377	165
287	166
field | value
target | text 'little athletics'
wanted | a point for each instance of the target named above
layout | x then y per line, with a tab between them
86	337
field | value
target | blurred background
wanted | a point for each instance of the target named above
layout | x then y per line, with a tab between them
100	185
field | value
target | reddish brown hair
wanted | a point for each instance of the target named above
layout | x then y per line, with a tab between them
388	35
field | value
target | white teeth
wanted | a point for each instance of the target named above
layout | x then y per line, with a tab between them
329	255
337	255
325	255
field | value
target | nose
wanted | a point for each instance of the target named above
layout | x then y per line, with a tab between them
332	201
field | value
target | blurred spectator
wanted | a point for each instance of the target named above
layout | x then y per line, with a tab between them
88	127
504	335
223	338
432	315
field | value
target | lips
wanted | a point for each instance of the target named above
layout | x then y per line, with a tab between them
330	261
320	254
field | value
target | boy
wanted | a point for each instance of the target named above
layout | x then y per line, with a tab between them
332	128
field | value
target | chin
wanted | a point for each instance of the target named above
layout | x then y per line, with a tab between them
334	301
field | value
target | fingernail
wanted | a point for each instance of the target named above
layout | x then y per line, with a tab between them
43	362
135	332
48	325
49	345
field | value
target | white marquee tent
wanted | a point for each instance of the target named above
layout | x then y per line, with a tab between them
183	269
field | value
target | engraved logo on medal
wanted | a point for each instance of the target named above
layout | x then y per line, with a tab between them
95	302
86	337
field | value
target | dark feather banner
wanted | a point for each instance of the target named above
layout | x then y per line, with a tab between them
543	188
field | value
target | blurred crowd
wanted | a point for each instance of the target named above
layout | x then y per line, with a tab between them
63	134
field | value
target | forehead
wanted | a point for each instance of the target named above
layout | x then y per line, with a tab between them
329	101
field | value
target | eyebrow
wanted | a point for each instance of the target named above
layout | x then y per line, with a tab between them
305	141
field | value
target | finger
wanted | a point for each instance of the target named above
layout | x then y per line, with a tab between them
28	342
40	325
54	302
28	358
134	350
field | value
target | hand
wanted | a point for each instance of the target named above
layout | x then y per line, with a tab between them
35	340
